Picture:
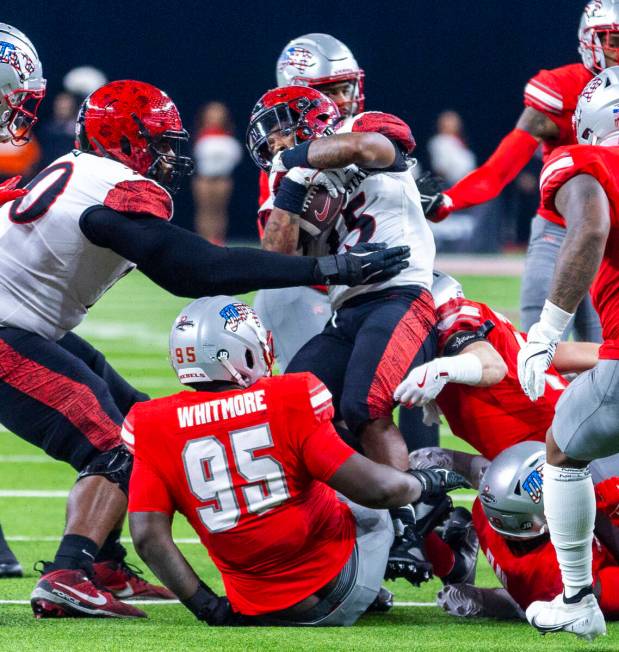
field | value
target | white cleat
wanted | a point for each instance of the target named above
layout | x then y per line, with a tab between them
583	618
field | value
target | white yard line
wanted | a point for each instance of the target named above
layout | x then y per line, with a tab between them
29	459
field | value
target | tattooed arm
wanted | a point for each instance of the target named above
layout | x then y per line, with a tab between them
281	233
538	125
584	205
365	149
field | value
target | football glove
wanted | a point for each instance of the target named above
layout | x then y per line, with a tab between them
434	203
422	385
536	355
9	190
363	264
334	181
435	482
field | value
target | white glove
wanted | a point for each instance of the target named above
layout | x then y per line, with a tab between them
536	355
422	385
277	165
431	414
334	181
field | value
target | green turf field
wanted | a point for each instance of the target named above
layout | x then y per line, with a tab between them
130	326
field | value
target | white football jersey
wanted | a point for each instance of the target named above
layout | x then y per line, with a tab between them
50	273
384	207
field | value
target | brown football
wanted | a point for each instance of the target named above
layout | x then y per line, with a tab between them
320	211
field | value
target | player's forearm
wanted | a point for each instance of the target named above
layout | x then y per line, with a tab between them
493	367
281	233
575	357
363	149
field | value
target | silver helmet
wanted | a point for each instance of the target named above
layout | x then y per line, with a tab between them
317	59
444	288
599	20
220	338
596	120
22	86
511	491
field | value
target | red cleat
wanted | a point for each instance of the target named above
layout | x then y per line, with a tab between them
125	582
70	593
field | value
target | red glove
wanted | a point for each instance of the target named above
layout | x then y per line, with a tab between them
9	191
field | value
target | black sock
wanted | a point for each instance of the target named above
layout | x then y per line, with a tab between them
112	549
75	551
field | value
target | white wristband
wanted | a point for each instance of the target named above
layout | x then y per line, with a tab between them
465	368
554	320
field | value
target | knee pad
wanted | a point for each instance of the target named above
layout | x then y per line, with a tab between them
115	465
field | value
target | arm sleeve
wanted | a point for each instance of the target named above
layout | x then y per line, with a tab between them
188	266
486	183
147	491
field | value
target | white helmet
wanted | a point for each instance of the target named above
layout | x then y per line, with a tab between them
22	86
220	338
444	288
511	491
596	118
599	19
317	59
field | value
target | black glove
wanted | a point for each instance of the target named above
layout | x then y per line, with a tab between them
430	190
436	482
210	608
363	264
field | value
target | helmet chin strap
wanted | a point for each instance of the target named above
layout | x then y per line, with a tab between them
233	372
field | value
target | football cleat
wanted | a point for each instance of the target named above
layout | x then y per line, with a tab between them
10	568
407	557
581	615
382	603
124	581
69	593
462	600
459	534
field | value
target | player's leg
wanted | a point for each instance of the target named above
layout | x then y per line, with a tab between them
294	316
9	566
586	426
544	244
415	432
53	400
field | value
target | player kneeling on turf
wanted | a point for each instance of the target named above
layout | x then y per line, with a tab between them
254	463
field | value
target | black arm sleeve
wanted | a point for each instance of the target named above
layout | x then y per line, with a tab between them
188	266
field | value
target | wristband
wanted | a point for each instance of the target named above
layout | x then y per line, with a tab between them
554	318
296	157
290	196
465	368
202	602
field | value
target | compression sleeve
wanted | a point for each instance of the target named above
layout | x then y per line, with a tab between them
485	183
188	266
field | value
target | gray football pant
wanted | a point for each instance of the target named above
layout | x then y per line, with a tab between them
358	582
544	244
294	316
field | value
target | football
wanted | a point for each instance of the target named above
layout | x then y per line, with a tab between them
320	211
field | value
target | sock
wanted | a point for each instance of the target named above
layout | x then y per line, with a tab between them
569	506
75	551
439	554
112	549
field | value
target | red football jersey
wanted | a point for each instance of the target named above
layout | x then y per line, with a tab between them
535	575
603	164
555	94
247	468
493	418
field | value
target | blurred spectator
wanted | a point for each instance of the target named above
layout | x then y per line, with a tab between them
19	160
82	81
450	158
57	135
216	154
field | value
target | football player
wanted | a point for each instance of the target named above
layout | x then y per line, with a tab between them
550	99
509	519
373	337
580	183
88	219
22	88
474	380
254	464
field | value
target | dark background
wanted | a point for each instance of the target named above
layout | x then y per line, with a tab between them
420	57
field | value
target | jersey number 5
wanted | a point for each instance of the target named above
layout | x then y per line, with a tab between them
208	473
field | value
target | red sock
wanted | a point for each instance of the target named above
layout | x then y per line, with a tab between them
440	555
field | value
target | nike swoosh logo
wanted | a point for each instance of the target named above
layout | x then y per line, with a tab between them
126	592
423	380
322	216
553	628
99	600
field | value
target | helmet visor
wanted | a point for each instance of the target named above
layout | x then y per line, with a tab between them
275	120
170	165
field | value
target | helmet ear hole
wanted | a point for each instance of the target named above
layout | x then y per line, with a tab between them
249	359
125	146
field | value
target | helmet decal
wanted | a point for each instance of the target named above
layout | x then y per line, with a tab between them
236	313
16	58
534	482
298	57
183	323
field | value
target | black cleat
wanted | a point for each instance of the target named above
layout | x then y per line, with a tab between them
459	534
382	603
10	568
407	557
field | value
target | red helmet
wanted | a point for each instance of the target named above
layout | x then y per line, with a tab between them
136	124
299	110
